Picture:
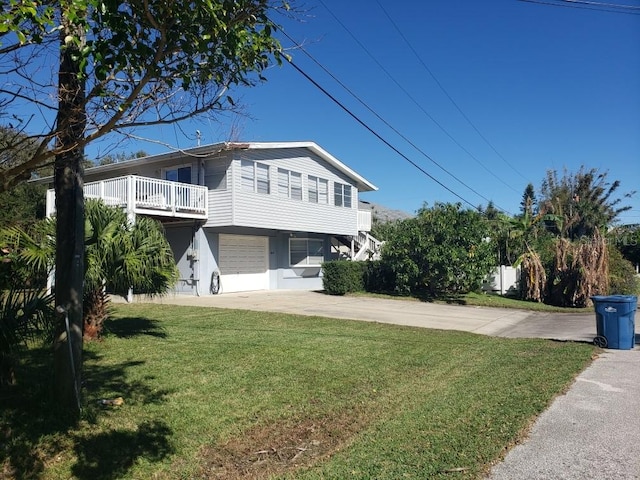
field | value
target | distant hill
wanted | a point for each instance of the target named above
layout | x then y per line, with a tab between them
382	213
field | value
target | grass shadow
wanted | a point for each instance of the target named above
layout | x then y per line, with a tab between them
26	416
129	327
33	432
104	381
110	455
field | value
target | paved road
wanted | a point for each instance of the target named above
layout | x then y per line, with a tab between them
591	432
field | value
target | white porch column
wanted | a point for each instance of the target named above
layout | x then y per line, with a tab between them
131	215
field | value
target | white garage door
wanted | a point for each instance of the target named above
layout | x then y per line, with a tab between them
244	263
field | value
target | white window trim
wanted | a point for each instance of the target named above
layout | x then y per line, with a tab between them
290	175
317	181
305	265
342	195
254	177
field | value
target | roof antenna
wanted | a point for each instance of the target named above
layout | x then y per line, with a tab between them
198	137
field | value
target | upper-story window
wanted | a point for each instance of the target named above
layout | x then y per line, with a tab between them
180	174
318	190
289	184
342	195
255	176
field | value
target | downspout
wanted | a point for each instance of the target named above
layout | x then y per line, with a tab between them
195	258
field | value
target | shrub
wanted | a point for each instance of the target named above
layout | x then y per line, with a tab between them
622	275
444	250
340	277
378	277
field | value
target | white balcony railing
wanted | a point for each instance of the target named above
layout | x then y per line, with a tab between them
147	196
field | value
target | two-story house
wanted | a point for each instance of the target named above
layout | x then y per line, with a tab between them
244	216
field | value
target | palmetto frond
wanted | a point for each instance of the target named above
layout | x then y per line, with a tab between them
34	250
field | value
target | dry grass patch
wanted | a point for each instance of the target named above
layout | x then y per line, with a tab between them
277	448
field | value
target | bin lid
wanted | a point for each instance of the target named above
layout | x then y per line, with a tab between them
615	298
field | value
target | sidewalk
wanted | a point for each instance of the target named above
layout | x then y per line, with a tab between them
591	432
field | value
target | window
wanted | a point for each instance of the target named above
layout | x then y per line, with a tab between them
342	195
318	190
181	174
262	178
289	184
255	176
306	252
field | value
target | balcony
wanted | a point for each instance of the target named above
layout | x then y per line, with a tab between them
146	196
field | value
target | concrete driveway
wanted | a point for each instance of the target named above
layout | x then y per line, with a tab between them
481	320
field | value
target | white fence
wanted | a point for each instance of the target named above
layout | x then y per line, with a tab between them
502	280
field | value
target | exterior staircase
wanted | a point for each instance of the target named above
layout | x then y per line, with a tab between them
364	246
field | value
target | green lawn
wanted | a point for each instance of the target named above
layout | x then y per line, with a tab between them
484	300
498	301
232	394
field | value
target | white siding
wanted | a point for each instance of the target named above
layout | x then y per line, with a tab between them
275	211
220	208
232	206
220	194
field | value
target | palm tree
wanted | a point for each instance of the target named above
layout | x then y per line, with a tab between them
119	255
582	202
26	316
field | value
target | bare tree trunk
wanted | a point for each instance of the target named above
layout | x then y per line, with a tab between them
68	179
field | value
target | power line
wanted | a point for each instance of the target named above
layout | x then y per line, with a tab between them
600	4
376	134
363	103
596	6
424	65
413	99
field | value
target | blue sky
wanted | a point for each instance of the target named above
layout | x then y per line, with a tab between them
548	87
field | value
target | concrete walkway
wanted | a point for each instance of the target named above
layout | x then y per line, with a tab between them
591	432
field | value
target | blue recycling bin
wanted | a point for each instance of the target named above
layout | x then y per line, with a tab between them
615	321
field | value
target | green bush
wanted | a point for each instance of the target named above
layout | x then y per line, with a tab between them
622	275
340	277
378	277
444	250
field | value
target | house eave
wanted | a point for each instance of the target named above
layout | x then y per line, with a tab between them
121	168
206	151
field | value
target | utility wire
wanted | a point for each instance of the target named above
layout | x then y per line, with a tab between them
404	90
596	6
379	117
376	134
424	65
600	4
